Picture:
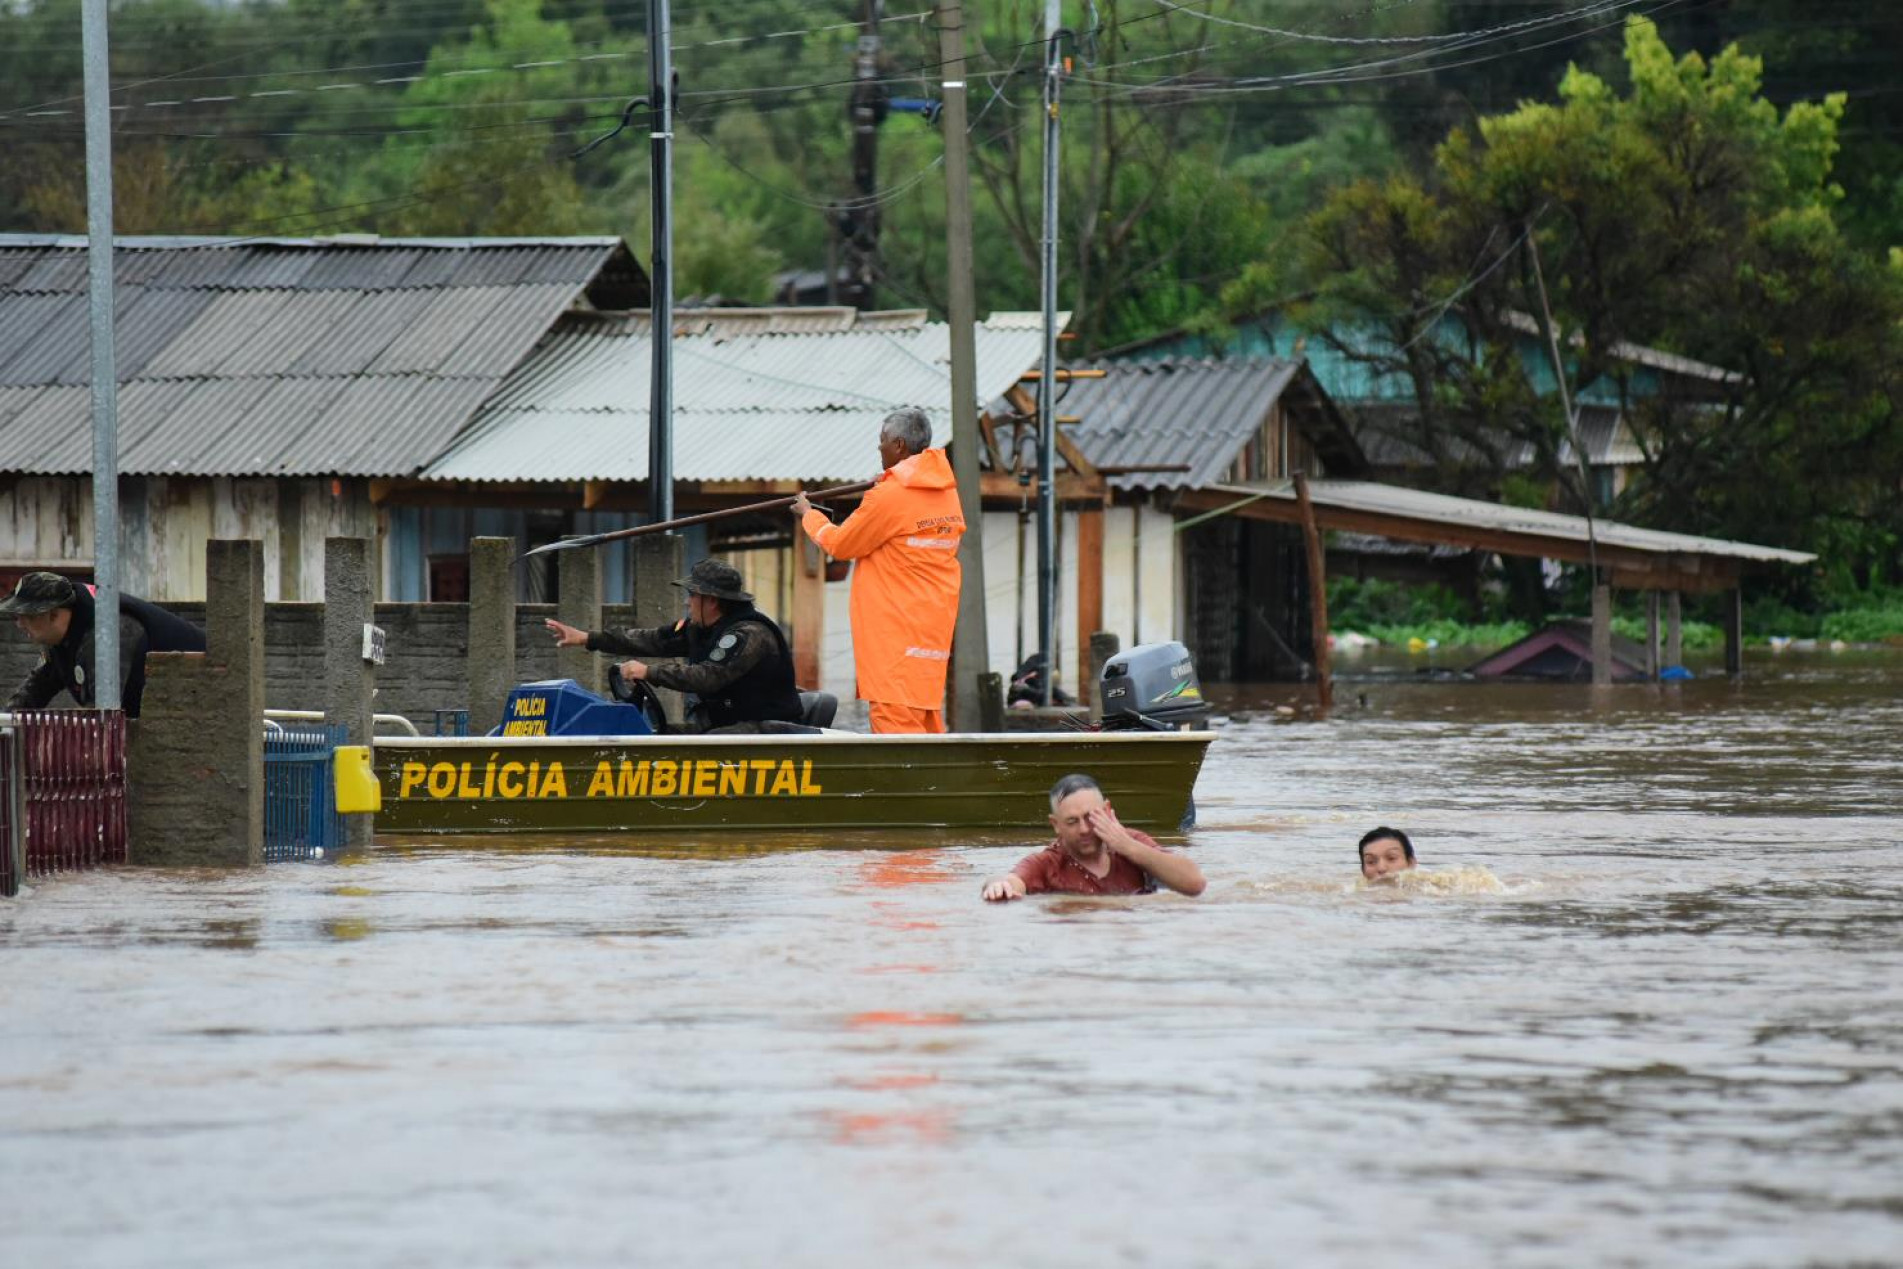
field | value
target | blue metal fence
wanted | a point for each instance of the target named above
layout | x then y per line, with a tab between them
301	820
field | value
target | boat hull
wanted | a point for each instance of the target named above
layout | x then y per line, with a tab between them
651	784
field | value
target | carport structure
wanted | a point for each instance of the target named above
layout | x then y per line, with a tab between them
1625	557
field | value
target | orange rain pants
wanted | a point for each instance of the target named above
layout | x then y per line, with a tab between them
905	589
905	720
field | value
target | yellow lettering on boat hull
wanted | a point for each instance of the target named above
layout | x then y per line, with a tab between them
698	778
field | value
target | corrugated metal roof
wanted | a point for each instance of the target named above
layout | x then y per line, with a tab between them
758	394
356	356
1162	413
1395	500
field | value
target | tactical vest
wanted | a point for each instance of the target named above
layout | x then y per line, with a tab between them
767	691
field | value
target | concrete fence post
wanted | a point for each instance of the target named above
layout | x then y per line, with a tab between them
491	630
195	761
579	605
658	563
349	680
1104	644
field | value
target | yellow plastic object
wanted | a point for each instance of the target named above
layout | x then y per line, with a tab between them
357	789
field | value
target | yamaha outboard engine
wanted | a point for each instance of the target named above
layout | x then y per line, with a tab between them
1153	685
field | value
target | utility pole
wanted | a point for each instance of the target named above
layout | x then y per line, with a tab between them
661	265
105	377
971	645
1047	381
857	222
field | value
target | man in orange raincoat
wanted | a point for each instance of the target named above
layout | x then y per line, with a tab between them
905	594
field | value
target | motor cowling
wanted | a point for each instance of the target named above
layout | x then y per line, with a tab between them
1154	686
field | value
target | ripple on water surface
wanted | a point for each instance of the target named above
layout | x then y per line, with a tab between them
1640	1005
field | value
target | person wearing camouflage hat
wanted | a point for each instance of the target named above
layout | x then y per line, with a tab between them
725	653
58	614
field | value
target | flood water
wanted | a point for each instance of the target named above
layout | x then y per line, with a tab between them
1671	1034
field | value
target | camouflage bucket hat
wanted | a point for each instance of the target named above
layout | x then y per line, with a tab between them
38	593
711	577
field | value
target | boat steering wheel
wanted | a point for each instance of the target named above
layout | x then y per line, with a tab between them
637	693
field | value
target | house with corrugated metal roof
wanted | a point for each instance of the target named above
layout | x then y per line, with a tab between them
267	387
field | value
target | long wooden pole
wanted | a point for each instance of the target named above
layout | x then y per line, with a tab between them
971	644
771	504
1317	598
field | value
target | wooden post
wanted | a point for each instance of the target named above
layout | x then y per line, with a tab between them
1601	633
809	610
1652	635
1089	594
991	702
1317	598
1674	633
1734	632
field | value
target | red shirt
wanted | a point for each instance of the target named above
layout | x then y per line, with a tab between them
1051	871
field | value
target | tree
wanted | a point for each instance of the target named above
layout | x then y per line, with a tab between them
1687	214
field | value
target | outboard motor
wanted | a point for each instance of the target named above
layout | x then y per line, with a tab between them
1154	686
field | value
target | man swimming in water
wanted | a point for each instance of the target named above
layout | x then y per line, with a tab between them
1093	853
1384	852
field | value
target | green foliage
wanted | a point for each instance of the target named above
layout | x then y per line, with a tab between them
1355	604
1882	622
1686	213
1472	636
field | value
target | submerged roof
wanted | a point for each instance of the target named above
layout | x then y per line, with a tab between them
286	356
759	394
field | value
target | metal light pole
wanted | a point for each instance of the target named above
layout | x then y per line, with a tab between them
661	265
105	379
1047	381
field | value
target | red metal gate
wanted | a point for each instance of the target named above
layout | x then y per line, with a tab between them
66	789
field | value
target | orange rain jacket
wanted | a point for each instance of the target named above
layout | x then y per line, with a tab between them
905	595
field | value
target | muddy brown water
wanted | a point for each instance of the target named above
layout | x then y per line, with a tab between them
1672	1032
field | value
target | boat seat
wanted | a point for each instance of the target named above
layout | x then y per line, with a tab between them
817	708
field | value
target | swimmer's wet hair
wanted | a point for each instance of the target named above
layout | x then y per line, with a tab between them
1077	784
1375	835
